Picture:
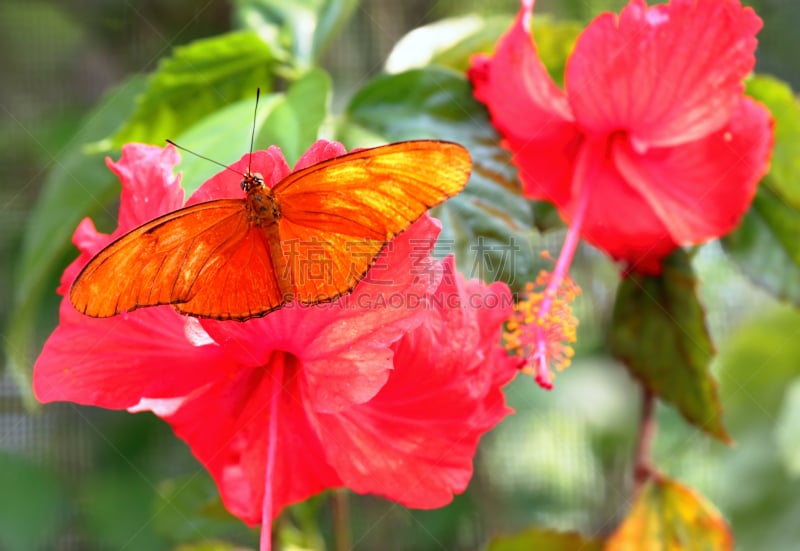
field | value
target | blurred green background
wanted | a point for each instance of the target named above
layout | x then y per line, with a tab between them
74	478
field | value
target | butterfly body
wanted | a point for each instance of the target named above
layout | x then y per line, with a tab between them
309	238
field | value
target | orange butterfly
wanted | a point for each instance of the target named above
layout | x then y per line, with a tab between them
310	238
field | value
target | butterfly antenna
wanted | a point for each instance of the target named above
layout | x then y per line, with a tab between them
253	132
196	154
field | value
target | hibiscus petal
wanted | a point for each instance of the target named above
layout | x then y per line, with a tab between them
701	190
546	165
225	425
529	110
321	150
115	362
149	188
89	242
667	74
515	85
414	442
227	184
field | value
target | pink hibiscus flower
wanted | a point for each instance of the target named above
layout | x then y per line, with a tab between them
386	390
653	144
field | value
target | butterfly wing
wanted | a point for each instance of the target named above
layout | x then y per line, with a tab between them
207	260
336	216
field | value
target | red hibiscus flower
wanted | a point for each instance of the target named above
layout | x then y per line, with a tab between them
653	144
386	390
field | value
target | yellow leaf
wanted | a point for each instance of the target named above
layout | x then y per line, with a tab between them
668	516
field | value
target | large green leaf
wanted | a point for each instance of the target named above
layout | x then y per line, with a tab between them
658	330
78	184
766	244
197	80
294	123
291	121
487	225
303	27
223	136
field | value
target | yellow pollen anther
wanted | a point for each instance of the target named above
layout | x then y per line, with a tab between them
543	336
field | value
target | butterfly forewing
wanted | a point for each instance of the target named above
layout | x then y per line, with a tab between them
174	259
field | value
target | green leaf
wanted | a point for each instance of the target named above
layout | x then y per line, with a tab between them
303	27
32	499
670	516
223	136
291	121
659	332
196	80
78	184
538	538
294	123
765	245
487	225
785	164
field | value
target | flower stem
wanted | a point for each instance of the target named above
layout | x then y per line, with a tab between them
272	446
642	462
340	511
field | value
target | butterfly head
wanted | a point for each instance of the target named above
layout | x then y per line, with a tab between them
251	181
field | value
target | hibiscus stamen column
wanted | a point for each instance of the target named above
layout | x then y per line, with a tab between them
542	327
272	446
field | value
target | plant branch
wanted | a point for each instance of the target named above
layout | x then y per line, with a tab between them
642	461
340	511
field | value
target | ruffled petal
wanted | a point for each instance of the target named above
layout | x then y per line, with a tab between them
701	190
115	362
515	85
149	187
414	442
529	110
667	74
321	150
225	425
